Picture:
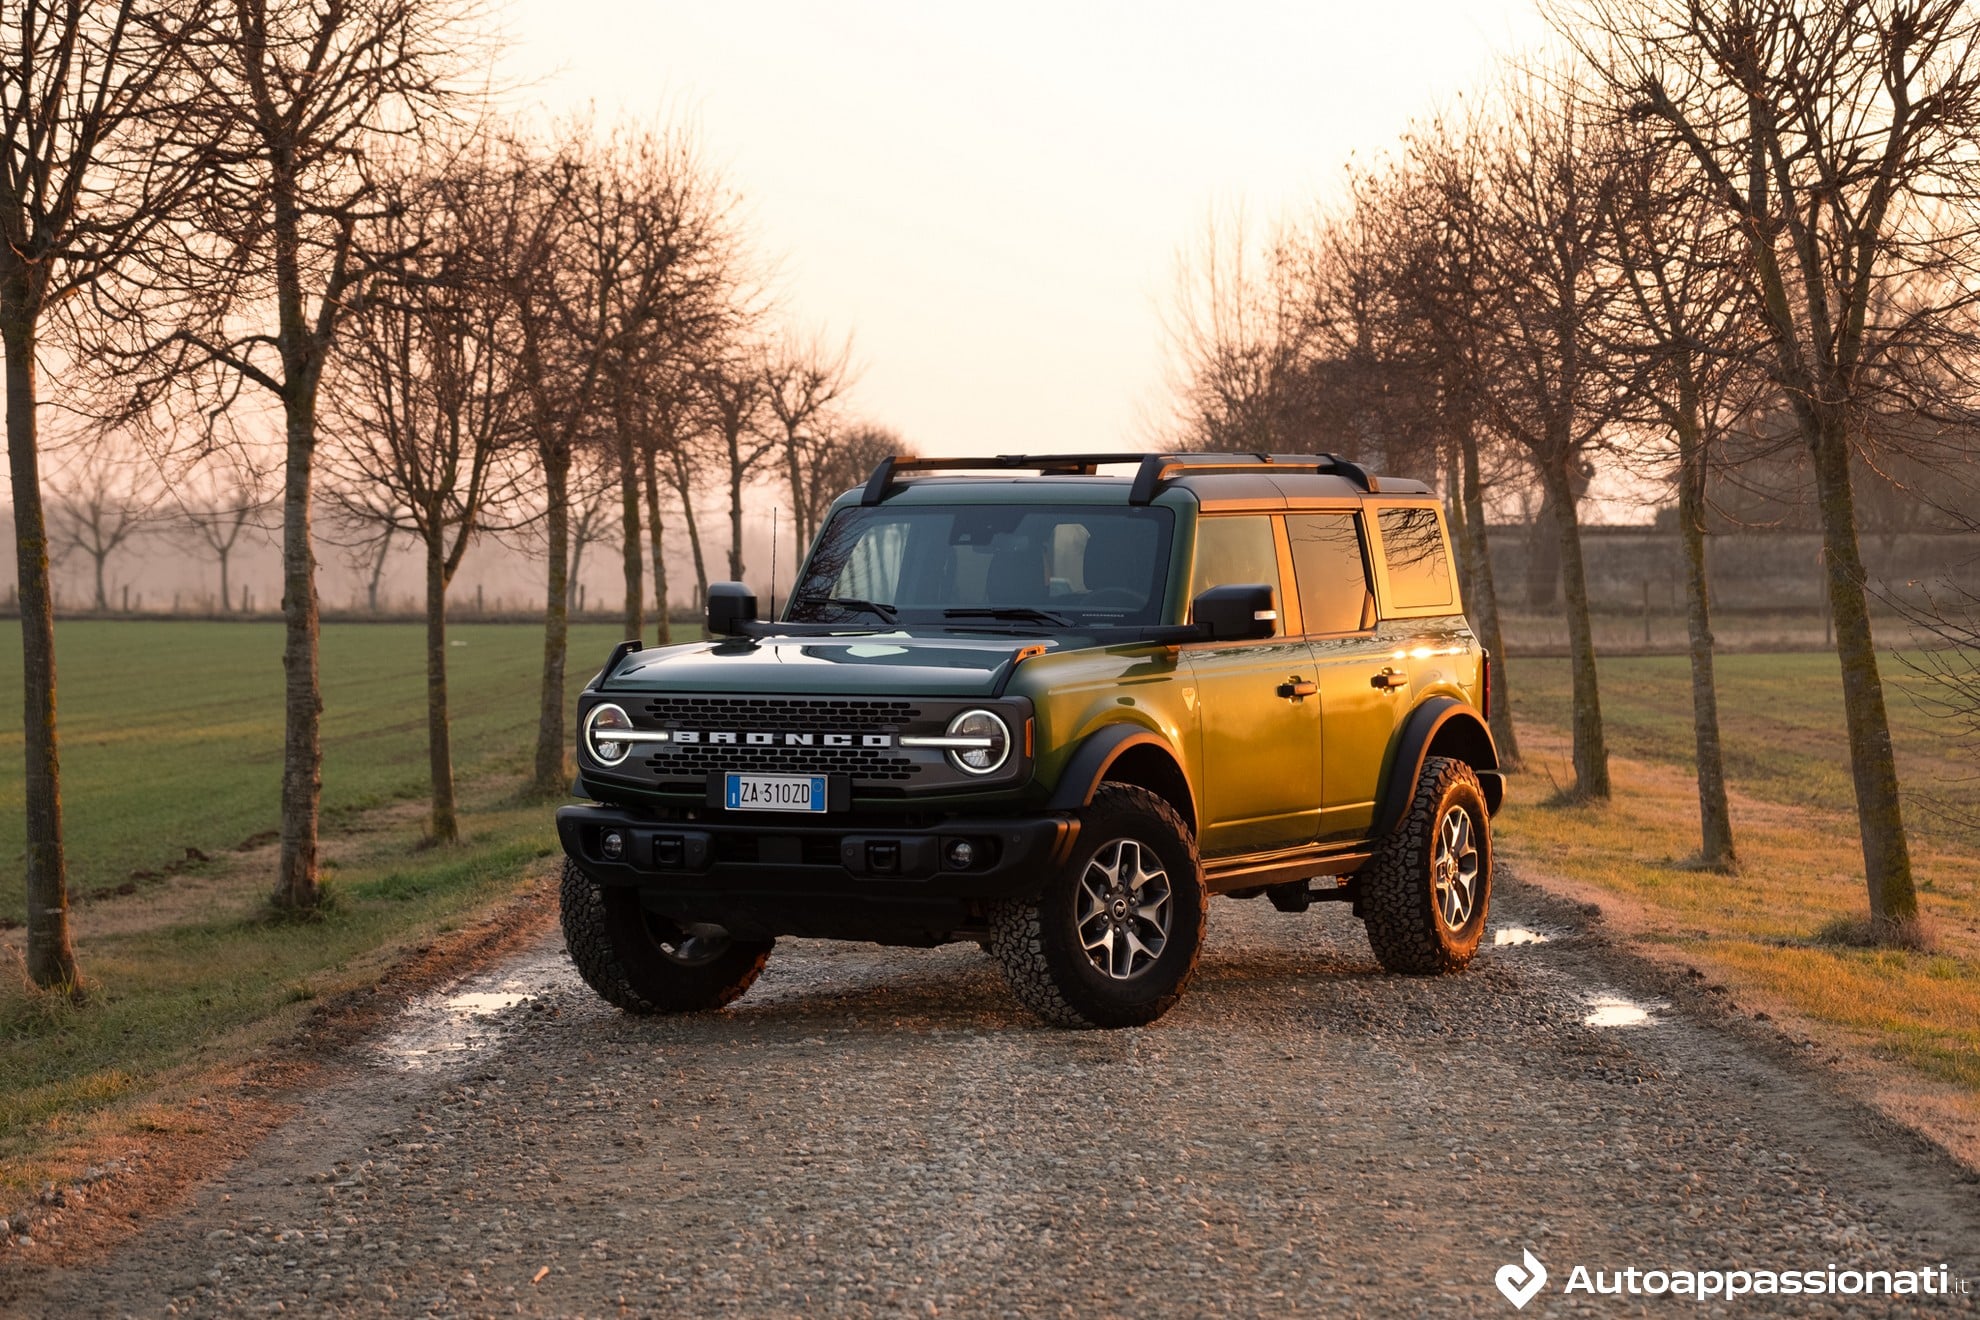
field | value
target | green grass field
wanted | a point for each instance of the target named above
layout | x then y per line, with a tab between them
1781	722
172	732
172	740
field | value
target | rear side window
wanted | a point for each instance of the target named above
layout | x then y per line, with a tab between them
1235	551
1413	546
1333	574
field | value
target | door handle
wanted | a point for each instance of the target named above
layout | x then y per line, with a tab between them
1295	688
1389	679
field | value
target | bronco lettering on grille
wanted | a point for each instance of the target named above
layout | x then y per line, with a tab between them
730	738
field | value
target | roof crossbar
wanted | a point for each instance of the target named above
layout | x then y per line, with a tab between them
1152	469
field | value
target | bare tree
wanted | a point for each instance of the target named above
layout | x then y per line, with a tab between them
558	375
651	224
855	451
610	253
594	498
1442	268
426	401
305	101
93	159
681	465
733	399
1237	331
1680	342
1546	182
1837	140
802	379
238	498
102	505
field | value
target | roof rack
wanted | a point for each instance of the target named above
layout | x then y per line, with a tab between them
1153	469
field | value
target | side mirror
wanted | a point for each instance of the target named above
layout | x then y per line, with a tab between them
1235	614
730	606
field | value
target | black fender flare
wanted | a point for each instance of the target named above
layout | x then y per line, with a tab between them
1457	723
1088	766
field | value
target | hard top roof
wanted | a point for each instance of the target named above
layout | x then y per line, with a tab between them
1209	475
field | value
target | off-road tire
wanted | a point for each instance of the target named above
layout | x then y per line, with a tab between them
1406	926
614	942
1038	946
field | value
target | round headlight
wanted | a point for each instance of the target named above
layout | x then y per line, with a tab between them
993	749
599	726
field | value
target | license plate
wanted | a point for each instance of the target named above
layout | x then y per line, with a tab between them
775	793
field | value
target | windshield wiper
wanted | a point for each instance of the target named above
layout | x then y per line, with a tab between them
886	612
1020	613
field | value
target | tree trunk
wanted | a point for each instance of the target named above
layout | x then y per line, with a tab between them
302	743
377	572
1715	840
102	598
794	470
663	630
1483	597
1873	765
1455	516
634	552
1543	556
439	747
685	489
226	605
1591	758
735	515
51	957
549	775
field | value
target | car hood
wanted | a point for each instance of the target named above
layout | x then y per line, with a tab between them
883	663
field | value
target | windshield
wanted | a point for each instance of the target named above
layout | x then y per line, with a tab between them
976	566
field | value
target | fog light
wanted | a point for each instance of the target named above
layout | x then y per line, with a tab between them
613	845
960	855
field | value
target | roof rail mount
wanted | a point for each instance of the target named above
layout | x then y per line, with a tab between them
1152	470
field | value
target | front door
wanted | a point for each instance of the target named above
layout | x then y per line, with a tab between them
1259	716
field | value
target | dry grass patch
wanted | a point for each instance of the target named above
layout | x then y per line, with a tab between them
1784	933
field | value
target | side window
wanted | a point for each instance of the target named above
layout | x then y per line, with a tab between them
1413	546
1234	551
1334	595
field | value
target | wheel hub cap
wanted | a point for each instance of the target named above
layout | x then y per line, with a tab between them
1124	909
1454	868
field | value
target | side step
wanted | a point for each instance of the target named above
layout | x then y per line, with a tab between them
1300	896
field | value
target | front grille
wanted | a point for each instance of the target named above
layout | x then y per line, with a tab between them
817	715
875	763
803	714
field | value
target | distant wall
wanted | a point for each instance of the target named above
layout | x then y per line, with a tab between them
1747	570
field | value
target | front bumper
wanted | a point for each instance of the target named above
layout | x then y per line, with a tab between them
843	880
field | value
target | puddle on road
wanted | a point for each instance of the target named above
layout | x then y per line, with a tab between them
1505	935
1608	1010
470	1016
482	1002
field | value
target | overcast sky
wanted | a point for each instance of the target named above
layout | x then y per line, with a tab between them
991	197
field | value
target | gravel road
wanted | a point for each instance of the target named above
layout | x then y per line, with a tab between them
882	1132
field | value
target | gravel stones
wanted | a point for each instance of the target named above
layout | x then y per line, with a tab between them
879	1131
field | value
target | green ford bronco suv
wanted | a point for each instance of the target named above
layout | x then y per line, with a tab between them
1051	710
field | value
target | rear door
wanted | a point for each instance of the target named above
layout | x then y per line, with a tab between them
1363	683
1259	718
